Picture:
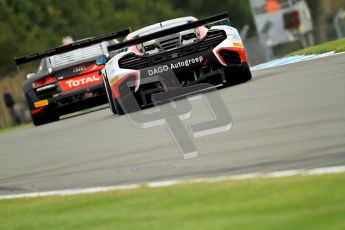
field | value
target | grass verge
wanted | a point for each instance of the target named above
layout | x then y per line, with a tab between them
337	46
302	202
8	129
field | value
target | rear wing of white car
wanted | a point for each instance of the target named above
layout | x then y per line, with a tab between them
172	30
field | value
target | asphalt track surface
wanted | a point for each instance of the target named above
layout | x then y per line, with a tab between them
288	117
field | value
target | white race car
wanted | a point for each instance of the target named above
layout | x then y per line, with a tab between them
187	50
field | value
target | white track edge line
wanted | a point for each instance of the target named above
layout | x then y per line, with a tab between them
275	174
274	66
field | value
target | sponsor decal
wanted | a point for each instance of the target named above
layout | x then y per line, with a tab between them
175	65
112	72
80	82
238	44
236	41
42	103
158	70
236	38
114	80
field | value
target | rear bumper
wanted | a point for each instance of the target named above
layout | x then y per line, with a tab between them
190	69
68	102
216	76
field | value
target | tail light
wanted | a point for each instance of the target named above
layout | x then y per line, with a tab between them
292	20
45	81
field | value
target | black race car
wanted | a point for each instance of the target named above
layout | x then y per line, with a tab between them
67	79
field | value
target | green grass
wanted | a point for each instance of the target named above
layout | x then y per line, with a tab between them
303	202
11	128
337	46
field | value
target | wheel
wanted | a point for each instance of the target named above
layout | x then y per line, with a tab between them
237	75
130	101
108	92
42	119
118	108
127	99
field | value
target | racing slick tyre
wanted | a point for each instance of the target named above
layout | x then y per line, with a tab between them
42	119
237	75
130	109
108	92
118	108
127	99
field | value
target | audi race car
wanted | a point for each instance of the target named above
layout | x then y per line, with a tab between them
191	51
67	79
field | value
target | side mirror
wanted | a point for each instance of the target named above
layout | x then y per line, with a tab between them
30	75
101	60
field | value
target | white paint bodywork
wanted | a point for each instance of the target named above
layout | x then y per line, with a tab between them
113	70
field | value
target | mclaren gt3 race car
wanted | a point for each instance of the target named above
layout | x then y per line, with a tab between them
188	50
67	79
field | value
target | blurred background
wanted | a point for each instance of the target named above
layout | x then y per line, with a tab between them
31	26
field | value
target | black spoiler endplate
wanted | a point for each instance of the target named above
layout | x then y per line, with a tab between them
76	45
169	31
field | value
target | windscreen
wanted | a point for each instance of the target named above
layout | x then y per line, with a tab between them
160	26
76	56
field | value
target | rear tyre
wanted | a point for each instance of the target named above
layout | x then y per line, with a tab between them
127	102
108	91
238	75
131	105
118	108
43	119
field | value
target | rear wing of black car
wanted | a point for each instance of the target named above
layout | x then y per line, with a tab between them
76	45
172	30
